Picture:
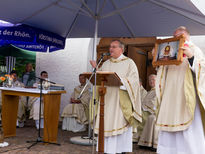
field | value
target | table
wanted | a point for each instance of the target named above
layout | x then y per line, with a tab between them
51	99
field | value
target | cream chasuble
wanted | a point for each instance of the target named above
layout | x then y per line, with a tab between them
176	92
150	102
122	107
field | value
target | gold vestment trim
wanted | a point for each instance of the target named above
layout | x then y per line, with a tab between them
160	85
150	108
177	125
138	114
199	93
146	142
117	61
115	129
133	95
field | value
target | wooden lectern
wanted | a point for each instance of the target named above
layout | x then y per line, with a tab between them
108	79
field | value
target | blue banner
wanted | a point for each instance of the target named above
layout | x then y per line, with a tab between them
50	39
16	34
33	47
30	38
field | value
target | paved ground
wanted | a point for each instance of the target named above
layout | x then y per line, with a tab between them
19	145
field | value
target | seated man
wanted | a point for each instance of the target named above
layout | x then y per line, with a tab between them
17	83
28	79
149	134
75	114
34	113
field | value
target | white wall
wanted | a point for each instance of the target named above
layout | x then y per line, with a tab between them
64	66
199	41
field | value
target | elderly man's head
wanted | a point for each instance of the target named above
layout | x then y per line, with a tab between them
152	79
82	79
29	67
116	48
182	31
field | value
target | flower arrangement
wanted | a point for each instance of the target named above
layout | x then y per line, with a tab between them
2	79
5	79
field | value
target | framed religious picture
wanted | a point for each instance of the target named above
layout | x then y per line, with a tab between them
168	52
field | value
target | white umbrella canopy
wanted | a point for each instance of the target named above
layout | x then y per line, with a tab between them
116	18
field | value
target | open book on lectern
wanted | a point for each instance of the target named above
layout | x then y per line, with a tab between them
109	78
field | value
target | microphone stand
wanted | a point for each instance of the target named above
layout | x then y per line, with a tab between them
39	138
93	72
80	95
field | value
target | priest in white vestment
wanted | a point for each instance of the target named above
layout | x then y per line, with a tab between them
122	110
149	135
180	90
75	114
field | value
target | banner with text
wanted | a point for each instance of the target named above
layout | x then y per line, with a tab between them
30	38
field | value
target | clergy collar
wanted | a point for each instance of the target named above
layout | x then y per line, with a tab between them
119	59
153	88
81	86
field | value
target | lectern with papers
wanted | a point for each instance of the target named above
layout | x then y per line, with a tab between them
108	79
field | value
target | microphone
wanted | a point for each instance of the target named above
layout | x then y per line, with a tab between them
41	79
105	54
102	56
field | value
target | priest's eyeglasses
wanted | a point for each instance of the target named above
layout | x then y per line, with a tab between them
113	46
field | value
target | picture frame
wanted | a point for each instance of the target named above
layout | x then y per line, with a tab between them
168	52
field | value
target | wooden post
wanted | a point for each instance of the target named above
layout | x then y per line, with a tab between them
102	91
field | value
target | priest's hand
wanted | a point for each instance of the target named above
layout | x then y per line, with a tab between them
72	100
78	101
75	101
187	51
93	63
